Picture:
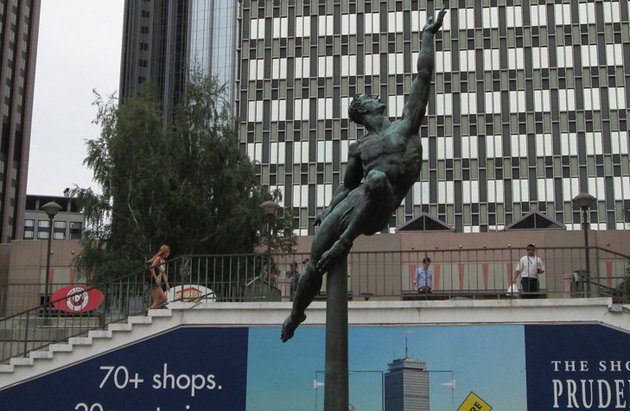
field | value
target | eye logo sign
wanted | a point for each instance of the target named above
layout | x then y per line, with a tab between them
80	299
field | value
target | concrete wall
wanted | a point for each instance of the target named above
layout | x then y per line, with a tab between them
613	240
23	267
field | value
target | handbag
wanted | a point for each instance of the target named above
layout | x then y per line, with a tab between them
513	290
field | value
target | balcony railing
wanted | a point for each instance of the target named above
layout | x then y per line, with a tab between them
29	322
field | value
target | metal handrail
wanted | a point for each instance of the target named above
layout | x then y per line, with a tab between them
469	273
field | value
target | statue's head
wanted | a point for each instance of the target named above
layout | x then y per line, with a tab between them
363	105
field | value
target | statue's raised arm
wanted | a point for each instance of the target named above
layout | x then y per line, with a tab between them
415	108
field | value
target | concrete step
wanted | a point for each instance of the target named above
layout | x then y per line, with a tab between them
40	355
60	348
80	341
139	319
21	361
160	312
100	334
6	368
120	327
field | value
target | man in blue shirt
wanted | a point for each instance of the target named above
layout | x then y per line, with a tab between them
423	278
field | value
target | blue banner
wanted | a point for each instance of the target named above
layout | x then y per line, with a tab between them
188	369
577	367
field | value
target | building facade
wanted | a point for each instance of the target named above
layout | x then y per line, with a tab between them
68	224
163	39
19	26
529	106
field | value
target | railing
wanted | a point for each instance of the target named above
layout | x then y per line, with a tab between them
459	273
38	327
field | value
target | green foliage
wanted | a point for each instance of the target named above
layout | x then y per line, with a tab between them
282	237
189	185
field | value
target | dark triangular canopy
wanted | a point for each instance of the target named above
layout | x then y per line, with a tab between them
535	220
425	222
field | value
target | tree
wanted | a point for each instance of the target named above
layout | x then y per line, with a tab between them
189	186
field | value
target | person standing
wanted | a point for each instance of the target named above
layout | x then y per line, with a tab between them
157	272
529	267
293	274
423	279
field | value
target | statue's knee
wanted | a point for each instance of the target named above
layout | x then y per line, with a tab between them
376	181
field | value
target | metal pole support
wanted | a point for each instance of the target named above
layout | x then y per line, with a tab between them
587	282
336	380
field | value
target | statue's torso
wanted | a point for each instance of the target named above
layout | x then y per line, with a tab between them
399	157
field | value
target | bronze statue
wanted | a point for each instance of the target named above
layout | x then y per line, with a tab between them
388	160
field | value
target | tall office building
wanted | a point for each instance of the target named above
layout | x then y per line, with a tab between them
162	39
407	385
19	25
529	106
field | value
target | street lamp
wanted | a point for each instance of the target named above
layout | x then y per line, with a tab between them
270	208
584	201
382	373
51	208
452	384
317	384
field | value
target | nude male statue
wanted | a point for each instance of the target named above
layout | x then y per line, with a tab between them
388	160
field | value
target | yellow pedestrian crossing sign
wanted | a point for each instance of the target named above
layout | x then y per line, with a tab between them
474	403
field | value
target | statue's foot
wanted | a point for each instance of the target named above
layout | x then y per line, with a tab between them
289	326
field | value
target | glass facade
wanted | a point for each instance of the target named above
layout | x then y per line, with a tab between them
213	36
529	106
163	38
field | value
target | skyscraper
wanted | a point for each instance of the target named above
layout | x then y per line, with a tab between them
407	385
163	39
19	25
529	107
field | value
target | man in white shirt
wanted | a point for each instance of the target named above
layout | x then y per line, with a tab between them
424	277
528	268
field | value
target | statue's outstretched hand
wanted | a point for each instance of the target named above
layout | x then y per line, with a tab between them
434	26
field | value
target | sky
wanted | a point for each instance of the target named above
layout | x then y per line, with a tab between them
486	360
79	50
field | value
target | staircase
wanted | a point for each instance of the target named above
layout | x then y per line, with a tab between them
97	342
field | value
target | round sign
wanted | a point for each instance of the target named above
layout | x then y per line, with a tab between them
77	299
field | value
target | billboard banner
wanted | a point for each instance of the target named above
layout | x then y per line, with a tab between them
577	367
189	369
481	367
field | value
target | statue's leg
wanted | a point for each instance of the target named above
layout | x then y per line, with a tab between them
308	285
371	213
310	280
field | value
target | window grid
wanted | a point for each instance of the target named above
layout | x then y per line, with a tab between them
530	106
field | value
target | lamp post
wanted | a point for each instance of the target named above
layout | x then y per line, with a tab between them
584	201
452	384
382	373
317	384
270	208
51	208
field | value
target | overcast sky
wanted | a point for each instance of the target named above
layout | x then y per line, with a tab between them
79	50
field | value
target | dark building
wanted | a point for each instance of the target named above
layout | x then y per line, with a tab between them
407	385
19	26
163	39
